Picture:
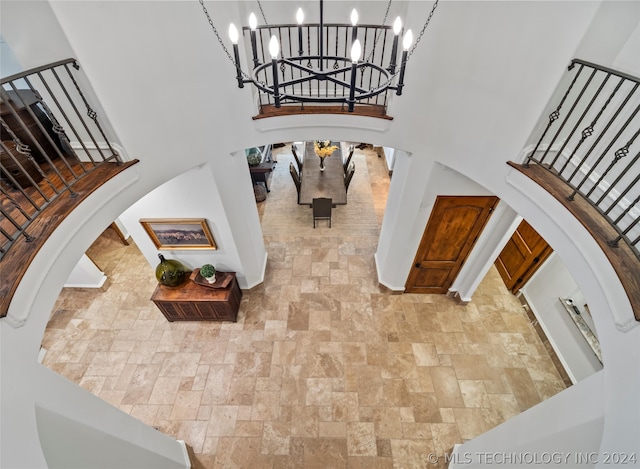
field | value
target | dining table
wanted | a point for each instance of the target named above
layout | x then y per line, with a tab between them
316	183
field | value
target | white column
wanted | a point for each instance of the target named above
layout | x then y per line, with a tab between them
416	183
235	189
500	227
404	221
220	192
86	274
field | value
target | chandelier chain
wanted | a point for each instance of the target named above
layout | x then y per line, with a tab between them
264	17
433	9
215	31
262	12
377	36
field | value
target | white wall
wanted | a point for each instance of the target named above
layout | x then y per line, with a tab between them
475	88
414	187
551	282
8	62
389	156
196	194
495	235
86	274
622	51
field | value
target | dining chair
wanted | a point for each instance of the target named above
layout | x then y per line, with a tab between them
349	175
294	150
348	160
321	207
296	178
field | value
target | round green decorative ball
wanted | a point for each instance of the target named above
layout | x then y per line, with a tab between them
207	271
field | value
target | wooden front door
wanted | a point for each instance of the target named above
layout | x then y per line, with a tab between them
453	227
521	256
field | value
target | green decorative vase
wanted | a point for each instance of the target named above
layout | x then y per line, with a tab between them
171	273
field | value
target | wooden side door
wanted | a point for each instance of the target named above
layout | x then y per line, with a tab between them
453	227
521	256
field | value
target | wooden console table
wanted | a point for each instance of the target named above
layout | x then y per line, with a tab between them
193	302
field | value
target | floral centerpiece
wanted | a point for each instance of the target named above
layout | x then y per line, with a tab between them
323	149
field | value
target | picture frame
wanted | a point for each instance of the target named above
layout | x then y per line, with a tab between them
179	233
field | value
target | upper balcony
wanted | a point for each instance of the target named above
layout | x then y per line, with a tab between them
587	155
54	153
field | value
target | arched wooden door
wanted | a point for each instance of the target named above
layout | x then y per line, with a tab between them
454	225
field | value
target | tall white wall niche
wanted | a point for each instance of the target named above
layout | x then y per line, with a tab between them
547	293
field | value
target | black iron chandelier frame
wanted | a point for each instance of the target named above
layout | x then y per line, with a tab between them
302	64
319	75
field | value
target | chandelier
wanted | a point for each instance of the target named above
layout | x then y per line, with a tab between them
322	63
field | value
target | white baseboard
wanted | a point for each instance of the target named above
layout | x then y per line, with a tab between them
98	284
185	453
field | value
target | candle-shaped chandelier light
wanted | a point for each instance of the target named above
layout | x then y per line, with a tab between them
323	63
274	50
356	51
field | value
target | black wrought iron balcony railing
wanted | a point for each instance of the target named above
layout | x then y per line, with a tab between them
50	140
590	141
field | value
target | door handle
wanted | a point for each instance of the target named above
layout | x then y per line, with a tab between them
418	265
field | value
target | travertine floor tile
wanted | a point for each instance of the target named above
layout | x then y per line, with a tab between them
324	368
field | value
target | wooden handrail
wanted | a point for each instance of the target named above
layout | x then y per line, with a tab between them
369	110
17	260
622	258
591	141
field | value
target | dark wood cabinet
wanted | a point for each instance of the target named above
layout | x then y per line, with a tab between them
261	173
193	302
25	104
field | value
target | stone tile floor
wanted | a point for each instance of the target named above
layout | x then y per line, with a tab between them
324	368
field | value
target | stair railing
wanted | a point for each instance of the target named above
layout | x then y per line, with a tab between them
590	141
50	139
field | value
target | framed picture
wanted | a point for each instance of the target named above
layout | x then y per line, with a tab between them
179	233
